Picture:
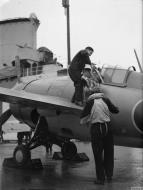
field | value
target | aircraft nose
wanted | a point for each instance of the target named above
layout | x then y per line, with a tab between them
137	116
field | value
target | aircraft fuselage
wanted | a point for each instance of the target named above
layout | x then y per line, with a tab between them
127	125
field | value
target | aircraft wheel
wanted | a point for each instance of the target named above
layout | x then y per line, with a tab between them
69	150
21	155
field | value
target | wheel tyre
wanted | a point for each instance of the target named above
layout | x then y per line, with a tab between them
69	150
21	155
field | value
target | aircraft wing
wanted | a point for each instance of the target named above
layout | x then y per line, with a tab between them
36	100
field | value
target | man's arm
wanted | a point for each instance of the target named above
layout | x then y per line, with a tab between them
111	106
85	81
87	109
84	118
85	58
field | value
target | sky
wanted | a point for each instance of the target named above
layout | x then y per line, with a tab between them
112	27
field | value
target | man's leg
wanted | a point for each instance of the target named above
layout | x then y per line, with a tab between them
97	147
79	91
109	155
73	98
76	78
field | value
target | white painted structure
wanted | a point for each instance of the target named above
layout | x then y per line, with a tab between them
15	33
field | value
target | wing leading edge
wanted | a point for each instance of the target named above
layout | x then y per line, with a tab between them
36	100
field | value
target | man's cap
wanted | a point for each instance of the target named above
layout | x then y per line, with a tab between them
87	66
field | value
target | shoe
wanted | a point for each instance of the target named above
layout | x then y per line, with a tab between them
99	182
79	103
109	179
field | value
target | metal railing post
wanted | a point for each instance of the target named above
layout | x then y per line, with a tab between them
18	70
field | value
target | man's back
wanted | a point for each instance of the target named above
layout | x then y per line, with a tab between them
79	60
99	112
100	105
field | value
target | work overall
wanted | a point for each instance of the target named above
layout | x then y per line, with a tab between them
103	149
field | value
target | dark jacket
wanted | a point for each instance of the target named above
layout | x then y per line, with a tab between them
79	61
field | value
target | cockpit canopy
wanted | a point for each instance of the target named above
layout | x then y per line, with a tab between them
117	76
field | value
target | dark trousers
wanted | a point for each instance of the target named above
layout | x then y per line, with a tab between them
75	76
103	150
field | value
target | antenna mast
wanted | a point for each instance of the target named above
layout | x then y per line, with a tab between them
139	64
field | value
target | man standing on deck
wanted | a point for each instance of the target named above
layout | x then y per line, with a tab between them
96	114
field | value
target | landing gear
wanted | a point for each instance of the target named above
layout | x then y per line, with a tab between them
21	155
49	148
42	136
68	150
